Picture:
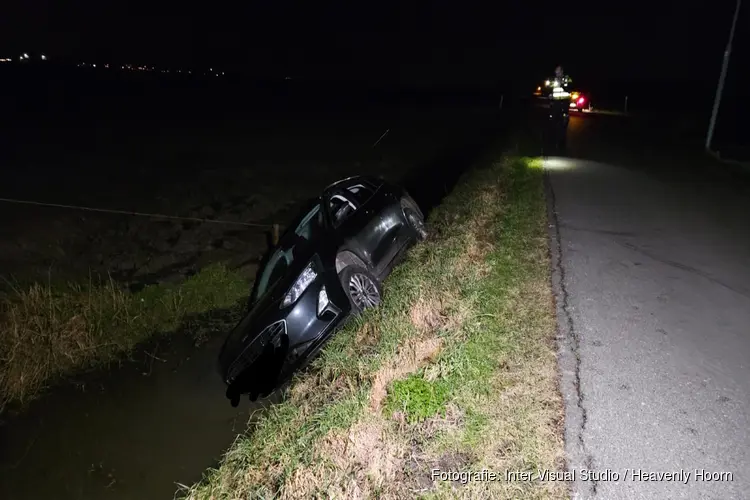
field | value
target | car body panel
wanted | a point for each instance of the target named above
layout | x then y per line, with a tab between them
379	238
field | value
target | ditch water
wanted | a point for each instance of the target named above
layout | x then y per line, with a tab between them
161	421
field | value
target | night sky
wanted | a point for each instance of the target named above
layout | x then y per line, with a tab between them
438	42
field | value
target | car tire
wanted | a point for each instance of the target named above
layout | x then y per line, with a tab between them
414	218
361	288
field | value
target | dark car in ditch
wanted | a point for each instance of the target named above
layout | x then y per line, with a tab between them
327	266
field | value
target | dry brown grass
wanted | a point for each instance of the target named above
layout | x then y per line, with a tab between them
45	334
479	236
428	315
48	332
526	387
367	336
436	313
351	463
450	423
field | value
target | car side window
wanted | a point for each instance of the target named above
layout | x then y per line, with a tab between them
341	207
311	225
360	193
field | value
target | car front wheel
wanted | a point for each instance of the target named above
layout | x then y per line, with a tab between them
361	287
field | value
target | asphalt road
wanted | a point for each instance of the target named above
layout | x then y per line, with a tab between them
651	254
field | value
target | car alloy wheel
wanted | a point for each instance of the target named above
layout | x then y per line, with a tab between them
361	287
363	291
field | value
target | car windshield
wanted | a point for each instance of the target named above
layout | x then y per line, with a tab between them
290	246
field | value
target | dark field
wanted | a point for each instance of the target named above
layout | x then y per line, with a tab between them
224	149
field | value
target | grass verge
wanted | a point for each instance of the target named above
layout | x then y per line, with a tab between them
48	331
456	371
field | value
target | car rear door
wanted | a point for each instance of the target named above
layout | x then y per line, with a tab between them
377	228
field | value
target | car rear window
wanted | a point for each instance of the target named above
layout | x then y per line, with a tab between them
361	193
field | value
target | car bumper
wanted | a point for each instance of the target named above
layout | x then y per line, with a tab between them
302	326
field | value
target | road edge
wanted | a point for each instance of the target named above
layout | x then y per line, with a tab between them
568	358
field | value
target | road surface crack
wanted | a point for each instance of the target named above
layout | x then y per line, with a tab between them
689	269
569	348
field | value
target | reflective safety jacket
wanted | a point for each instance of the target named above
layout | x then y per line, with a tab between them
558	88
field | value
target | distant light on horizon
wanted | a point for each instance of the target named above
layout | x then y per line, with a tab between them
25	55
44	58
134	67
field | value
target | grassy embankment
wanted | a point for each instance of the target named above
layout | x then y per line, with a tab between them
48	331
456	371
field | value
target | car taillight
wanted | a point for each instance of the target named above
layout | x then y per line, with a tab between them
580	100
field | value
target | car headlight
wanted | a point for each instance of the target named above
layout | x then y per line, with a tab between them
300	285
322	300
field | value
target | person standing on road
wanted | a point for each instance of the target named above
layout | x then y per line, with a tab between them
559	95
562	79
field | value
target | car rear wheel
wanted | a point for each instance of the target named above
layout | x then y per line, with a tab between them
415	219
361	287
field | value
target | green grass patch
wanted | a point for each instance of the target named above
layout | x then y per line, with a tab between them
456	369
49	331
417	398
